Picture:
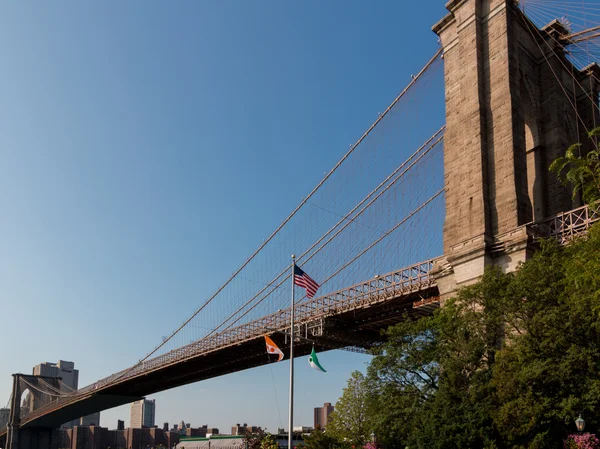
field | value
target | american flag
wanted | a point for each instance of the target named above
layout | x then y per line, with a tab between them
301	279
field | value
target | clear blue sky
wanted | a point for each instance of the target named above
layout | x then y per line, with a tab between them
147	148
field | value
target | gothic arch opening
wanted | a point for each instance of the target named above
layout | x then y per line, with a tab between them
533	157
26	402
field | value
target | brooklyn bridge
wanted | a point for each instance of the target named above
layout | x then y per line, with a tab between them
520	86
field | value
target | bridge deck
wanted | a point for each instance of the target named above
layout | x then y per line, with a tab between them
352	316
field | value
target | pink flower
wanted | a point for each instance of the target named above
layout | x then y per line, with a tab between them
581	441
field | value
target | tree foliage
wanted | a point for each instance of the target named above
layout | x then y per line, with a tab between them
318	439
581	172
259	440
350	419
509	363
551	372
438	369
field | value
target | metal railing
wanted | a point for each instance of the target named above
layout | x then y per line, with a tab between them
381	288
567	225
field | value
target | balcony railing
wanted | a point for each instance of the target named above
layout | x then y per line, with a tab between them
566	226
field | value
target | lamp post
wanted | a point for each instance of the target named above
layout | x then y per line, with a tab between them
373	438
580	423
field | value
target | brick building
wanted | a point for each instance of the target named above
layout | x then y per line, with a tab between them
322	415
242	429
95	437
199	432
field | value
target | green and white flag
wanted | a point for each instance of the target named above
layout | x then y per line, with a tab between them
313	360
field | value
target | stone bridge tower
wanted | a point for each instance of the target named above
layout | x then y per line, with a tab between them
36	385
510	97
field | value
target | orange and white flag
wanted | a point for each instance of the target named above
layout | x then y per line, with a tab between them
272	348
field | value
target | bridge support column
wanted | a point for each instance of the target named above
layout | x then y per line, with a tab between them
34	438
14	417
507	119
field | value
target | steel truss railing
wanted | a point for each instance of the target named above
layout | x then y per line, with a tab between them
379	289
567	225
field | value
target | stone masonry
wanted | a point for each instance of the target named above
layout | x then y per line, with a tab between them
509	114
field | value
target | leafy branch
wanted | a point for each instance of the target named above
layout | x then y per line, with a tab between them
580	172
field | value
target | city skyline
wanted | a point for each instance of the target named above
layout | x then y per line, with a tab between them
239	428
146	153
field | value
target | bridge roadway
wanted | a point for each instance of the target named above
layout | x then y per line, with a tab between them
351	317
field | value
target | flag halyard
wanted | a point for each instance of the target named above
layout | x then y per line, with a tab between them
301	279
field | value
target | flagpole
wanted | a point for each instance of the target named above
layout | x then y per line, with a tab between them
291	420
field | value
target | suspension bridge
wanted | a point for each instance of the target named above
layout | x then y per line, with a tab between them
440	195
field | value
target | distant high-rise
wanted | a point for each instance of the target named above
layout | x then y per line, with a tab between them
4	412
149	413
26	404
142	414
238	429
69	382
166	427
242	429
65	370
120	425
322	415
90	420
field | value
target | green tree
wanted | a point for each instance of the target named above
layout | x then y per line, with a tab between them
350	420
550	371
319	439
268	442
435	373
509	363
255	440
403	376
581	172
